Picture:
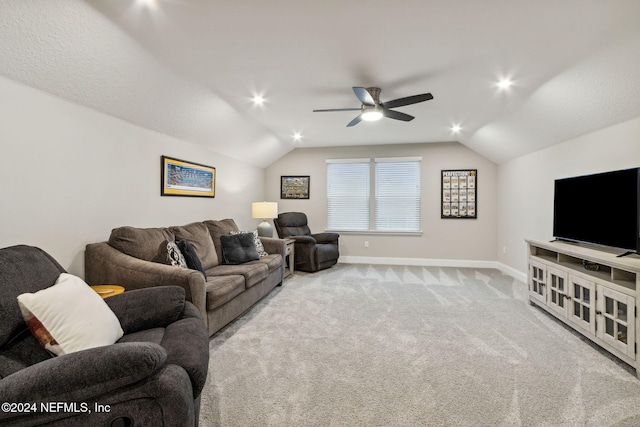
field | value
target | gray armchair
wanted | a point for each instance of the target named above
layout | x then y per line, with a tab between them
313	252
152	376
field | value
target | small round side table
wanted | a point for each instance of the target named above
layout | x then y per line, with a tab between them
106	291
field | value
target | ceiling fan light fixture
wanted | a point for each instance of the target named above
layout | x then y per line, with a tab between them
371	114
372	109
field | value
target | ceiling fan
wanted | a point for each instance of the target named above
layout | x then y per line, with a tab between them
372	109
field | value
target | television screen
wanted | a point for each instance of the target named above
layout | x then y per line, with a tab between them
601	208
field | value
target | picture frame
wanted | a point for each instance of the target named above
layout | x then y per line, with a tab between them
187	179
459	194
294	186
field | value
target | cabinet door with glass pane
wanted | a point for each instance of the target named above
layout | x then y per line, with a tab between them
582	306
616	320
557	294
537	281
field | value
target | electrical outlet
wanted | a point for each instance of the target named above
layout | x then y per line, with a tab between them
366	243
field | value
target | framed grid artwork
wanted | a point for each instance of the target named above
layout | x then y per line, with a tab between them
459	194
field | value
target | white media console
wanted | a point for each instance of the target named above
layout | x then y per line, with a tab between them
590	289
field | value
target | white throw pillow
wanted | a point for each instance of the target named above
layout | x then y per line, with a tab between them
69	316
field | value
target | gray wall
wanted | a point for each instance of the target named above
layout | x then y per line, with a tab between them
443	239
69	174
525	184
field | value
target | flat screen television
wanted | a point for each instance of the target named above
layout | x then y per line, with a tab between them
602	209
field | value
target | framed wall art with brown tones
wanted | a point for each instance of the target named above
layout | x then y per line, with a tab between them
459	194
182	178
294	187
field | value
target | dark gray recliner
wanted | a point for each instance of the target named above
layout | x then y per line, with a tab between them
152	376
313	252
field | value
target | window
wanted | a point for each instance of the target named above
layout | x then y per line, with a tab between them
395	184
348	190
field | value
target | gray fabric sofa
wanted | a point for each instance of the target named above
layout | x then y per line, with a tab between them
152	376
134	258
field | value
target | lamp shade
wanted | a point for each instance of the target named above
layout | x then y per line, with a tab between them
264	210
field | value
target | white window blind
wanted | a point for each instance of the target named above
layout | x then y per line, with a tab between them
348	190
395	182
397	201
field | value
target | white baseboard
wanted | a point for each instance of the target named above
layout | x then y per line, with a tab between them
423	262
428	262
516	274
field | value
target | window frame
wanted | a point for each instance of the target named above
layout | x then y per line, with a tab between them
372	161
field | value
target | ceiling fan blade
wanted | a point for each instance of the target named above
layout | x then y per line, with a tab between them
400	102
397	115
355	121
337	109
363	95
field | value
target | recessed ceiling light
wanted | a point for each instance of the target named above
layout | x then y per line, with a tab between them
297	136
149	3
258	99
504	83
456	128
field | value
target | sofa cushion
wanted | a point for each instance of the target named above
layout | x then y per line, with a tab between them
292	224
69	316
142	243
238	248
253	272
219	228
222	289
256	240
190	256
273	261
198	235
22	269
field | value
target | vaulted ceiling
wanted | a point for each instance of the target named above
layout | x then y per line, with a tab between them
189	68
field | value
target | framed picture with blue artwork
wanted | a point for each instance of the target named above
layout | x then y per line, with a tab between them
182	178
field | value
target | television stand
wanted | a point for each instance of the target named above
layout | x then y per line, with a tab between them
592	290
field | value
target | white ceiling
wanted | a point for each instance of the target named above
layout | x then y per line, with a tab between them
188	68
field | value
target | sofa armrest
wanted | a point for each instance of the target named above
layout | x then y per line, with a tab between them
188	333
274	246
107	265
84	375
148	308
326	237
304	239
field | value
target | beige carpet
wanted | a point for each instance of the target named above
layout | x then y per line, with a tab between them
361	345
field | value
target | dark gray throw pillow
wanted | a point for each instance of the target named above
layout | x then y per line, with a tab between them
238	248
190	256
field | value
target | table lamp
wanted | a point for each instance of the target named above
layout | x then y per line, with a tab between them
264	210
